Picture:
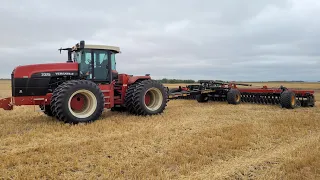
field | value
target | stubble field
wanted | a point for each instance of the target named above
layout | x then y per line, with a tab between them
189	141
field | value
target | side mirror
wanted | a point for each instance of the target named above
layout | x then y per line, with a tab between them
69	56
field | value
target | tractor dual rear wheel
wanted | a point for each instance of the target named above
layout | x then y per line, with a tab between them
129	97
147	97
78	101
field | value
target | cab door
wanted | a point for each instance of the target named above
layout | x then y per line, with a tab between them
84	58
95	65
101	68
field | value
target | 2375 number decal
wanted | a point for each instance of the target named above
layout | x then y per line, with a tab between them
45	74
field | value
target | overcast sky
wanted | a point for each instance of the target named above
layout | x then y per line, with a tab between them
209	39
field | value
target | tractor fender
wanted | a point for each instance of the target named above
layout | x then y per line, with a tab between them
133	79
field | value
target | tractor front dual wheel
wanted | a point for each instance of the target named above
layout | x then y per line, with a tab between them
78	101
55	93
146	97
46	110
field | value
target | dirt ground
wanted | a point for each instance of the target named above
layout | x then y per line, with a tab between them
189	140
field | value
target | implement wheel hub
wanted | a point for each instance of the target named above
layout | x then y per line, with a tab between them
238	97
293	100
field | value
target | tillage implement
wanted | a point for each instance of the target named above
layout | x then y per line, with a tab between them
229	91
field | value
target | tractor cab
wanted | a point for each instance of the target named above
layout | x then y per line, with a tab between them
96	62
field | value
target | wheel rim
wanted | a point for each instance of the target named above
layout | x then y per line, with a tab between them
237	97
153	99
82	103
293	98
147	99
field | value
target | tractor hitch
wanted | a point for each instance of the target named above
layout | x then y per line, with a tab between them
6	103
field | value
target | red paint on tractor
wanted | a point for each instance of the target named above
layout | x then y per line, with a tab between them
6	103
108	92
133	79
124	80
28	70
9	102
121	87
32	100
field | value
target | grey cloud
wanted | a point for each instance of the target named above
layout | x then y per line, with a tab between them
232	40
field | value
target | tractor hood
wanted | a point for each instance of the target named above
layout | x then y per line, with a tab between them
27	71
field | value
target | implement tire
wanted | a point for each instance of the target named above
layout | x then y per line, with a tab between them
146	97
288	100
78	101
234	96
201	98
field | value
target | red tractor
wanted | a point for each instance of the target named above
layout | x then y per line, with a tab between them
79	90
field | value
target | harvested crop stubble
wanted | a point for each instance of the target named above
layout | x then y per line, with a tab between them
189	141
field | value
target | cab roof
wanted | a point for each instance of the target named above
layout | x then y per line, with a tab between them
102	47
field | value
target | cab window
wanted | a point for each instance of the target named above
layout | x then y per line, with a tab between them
113	61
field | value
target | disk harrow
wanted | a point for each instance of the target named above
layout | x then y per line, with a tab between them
229	91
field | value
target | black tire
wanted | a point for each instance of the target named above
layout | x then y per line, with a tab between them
309	102
234	96
201	98
312	101
288	100
128	100
136	98
118	109
46	110
53	99
92	93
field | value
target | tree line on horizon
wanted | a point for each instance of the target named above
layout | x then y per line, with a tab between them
185	81
175	81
